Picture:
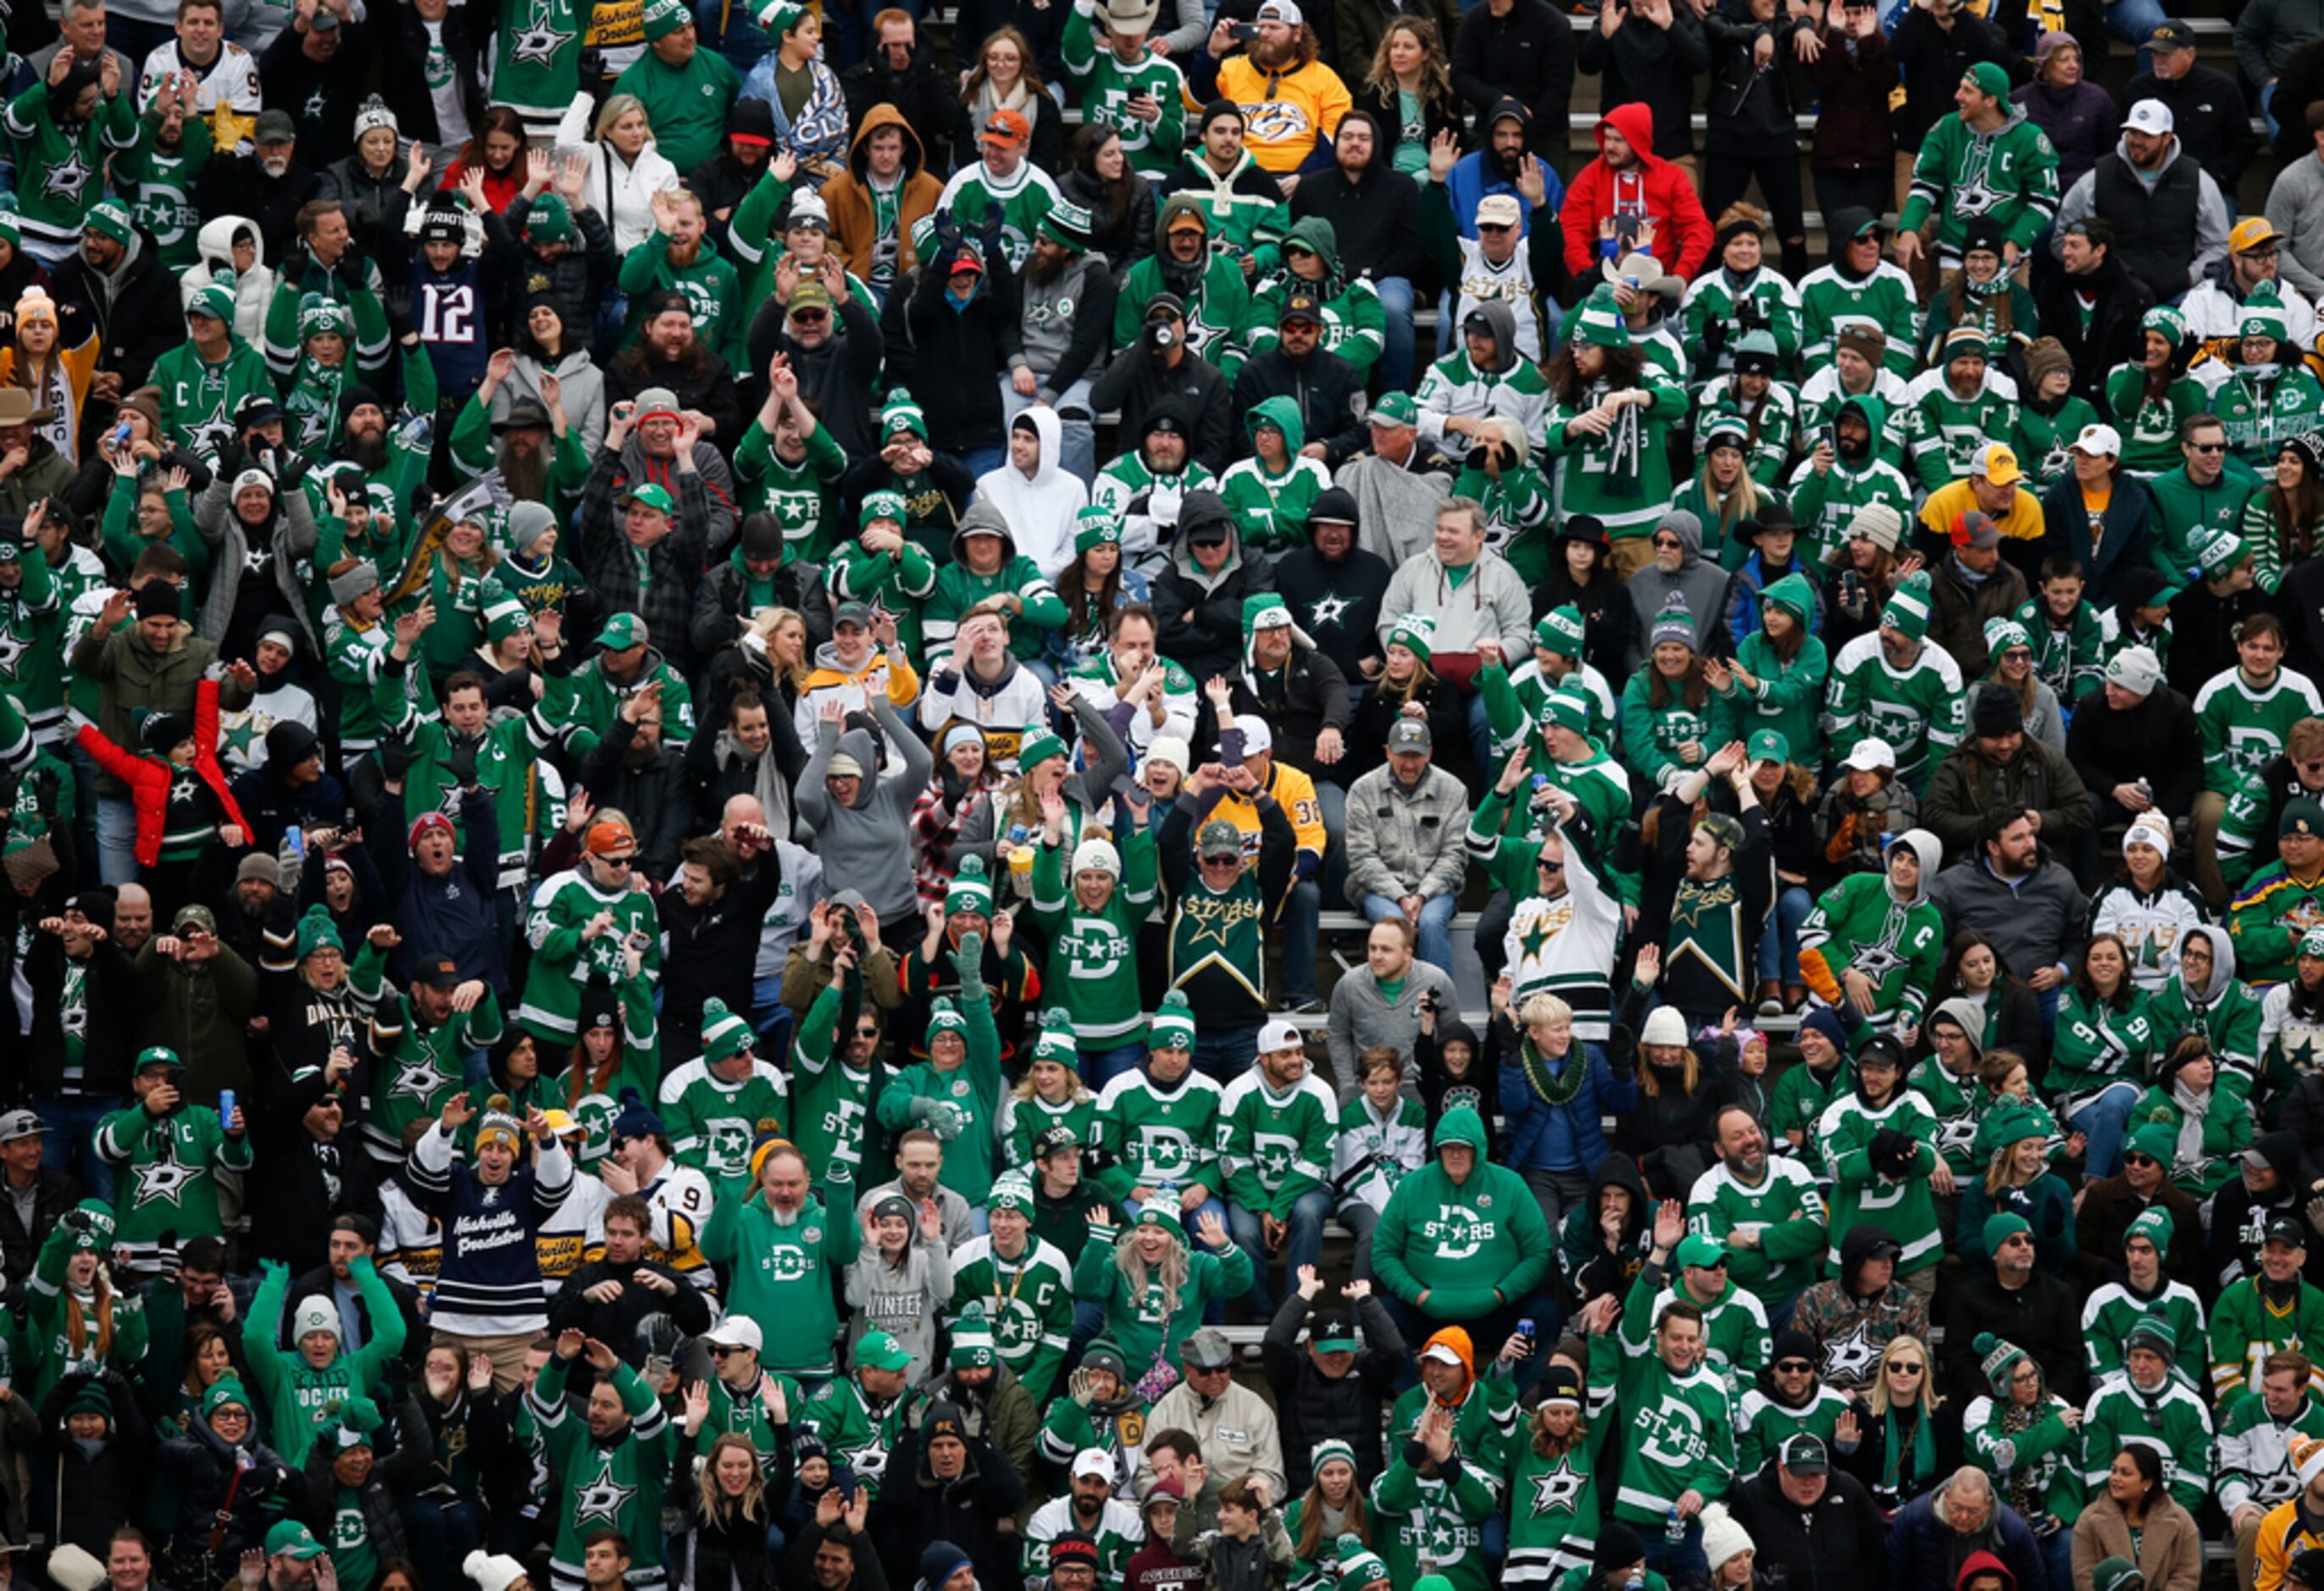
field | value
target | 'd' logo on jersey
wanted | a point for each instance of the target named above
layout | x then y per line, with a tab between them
729	1141
1557	1491
1166	1151
1458	1231
602	1499
164	1180
1275	1154
1670	1435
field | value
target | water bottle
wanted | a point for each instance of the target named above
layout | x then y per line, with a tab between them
418	433
2147	792
1675	1532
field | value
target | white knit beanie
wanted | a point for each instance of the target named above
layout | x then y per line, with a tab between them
492	1571
1722	1536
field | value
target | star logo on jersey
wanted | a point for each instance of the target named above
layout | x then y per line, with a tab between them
1556	1492
1326	611
240	738
11	652
318	106
68	178
181	790
539	43
163	1180
1850	1357
602	1499
414	1080
1442	1544
1534	938
1959	1133
730	1143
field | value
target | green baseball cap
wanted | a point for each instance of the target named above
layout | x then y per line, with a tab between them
290	1539
1395	408
1768	746
876	1350
654	497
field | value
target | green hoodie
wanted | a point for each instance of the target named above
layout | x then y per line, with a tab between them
957	591
1456	1251
1789	699
1270	510
711	286
1355	326
1216	309
1824	502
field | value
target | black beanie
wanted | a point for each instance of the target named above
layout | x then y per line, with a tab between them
1619	1547
157	599
1792	1343
1993	711
352	397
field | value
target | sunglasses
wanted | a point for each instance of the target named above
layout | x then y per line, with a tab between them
2135	1158
1794	1366
1551	866
1905	1367
721	1351
2209	446
1494	227
810	317
867	1032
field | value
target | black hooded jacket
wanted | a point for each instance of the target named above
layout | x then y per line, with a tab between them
1336	601
1440	1091
2239	1220
1312	1407
1586	1265
1833	1544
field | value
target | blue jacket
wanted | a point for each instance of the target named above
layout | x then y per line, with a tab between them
1467	183
1568	1137
1920	1547
453	914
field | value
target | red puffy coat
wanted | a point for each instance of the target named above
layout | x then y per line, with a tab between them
148	778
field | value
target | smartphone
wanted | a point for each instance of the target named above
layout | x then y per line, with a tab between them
1244	33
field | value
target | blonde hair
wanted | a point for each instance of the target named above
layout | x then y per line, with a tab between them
712	1505
1930	1399
616	107
1077	1092
1543	1008
769	622
1170	1276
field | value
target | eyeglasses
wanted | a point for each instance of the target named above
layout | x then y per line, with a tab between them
2209	446
1905	1367
1794	1366
2135	1158
810	317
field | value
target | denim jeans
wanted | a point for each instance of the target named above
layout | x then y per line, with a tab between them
2104	1122
2132	21
73	1148
978	460
116	843
1397	347
1302	914
1078	438
1223	1052
1100	1067
1435	927
1304	1245
1334	801
1779	947
442	1535
1480	738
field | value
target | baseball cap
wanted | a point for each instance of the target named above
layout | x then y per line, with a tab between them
1218	838
858	614
273	127
620	632
1007	128
1695	1249
2149	115
1395	408
1870	753
290	1539
1997	464
1092	1461
1410	734
20	1124
2099	441
1332	1332
1973	529
650	494
1803	1454
738	1330
1256	735
1279	1035
2171	33
1300	306
2250	233
436	972
1499	210
2284	1229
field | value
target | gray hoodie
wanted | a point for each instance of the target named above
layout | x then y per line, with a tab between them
868	845
1698	584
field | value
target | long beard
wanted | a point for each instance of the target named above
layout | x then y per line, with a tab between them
368	449
1041	272
525	474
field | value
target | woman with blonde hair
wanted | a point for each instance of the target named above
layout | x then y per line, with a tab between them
1723	495
2017	1193
1553	1125
1008	77
1408	90
1153	1284
727	1504
624	169
782	651
1050	1094
1728	1548
1903	1450
1407	687
1556	1453
55	372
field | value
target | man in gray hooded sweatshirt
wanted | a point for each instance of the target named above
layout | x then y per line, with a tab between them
862	813
1681	576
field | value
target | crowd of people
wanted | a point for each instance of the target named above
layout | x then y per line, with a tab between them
1129	797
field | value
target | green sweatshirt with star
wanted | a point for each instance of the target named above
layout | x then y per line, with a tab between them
1104	86
2172	1417
1275	1144
1782	1218
538	66
686	106
1920	710
1858	923
1903	1203
2008	177
712	285
61	169
415	1070
2095	1044
2149	426
300	1399
803	497
616	1482
1154	1137
1424	1524
198	398
831	1111
1830	299
165	1173
159	184
2241	723
1093	954
2247	1325
778	1272
31	642
1140	1319
1943	430
2183	509
565	958
712	1121
1027	1302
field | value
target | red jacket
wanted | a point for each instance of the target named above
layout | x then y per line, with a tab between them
1657	190
148	778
